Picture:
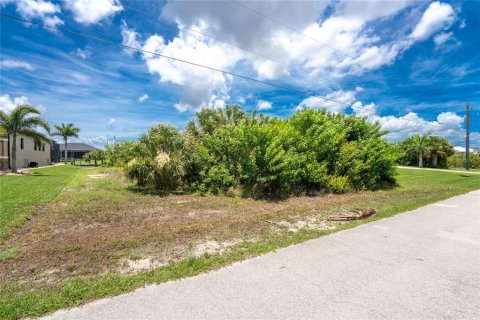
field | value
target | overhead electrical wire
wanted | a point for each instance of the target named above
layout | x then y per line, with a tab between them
289	27
215	38
113	43
280	23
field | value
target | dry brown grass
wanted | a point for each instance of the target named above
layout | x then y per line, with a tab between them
100	223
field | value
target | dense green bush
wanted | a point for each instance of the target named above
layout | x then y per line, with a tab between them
458	161
227	150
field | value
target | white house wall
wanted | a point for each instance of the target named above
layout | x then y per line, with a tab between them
29	154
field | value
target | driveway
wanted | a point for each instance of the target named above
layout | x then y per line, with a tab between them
423	264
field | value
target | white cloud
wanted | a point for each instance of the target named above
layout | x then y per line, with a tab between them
447	124
15	64
93	11
83	53
143	97
443	37
345	26
218	103
111	123
264	105
41	9
129	38
361	110
7	104
336	101
438	16
200	87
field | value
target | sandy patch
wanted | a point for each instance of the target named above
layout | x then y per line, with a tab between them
311	223
98	176
214	247
134	266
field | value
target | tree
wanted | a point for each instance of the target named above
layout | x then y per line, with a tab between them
419	145
24	120
66	131
439	148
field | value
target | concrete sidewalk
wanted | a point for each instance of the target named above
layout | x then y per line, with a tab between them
423	264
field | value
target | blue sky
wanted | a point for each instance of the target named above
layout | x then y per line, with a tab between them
410	65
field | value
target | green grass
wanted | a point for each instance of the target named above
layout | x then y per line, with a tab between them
20	192
416	188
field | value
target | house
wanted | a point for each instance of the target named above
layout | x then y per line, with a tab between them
75	150
29	152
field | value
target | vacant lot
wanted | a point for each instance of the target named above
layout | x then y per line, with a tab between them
91	234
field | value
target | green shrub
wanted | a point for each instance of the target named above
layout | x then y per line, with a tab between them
458	161
225	151
217	179
338	184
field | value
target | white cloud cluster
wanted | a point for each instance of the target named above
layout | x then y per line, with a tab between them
83	53
42	9
336	101
200	87
143	98
129	38
7	104
447	124
264	105
438	16
111	123
347	43
93	11
15	64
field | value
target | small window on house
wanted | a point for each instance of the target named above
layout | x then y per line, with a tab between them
21	143
43	146
34	145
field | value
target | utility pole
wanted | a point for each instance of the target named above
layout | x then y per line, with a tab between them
467	139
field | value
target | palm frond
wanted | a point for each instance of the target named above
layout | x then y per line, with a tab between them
37	136
36	122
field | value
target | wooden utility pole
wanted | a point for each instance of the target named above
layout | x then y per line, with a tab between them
467	139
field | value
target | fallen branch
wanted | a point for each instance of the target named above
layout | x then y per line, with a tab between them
354	214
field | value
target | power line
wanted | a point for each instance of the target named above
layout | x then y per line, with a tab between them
299	32
109	42
231	44
289	27
106	41
217	39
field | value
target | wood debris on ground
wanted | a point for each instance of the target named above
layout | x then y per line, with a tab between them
353	214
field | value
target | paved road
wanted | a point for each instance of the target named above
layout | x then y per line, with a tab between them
442	170
424	264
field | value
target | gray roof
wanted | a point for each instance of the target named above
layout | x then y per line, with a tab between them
77	147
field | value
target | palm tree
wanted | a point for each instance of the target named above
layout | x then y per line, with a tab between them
420	145
66	131
22	120
439	147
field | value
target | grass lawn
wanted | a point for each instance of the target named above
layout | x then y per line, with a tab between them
20	193
96	235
